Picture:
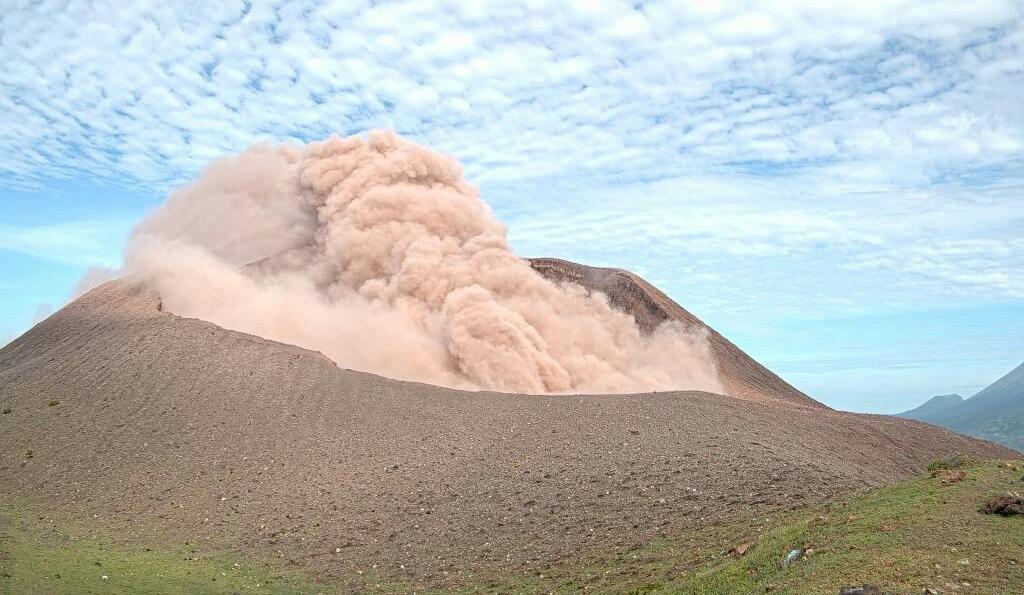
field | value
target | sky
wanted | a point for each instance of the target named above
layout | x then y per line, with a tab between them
837	189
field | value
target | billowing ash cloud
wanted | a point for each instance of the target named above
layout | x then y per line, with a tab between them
377	253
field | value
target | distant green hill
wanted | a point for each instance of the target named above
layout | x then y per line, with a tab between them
996	413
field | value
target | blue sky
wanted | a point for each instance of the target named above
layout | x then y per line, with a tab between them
839	190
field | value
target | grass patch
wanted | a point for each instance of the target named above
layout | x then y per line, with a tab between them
37	558
923	533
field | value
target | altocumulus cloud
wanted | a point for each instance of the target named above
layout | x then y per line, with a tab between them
738	144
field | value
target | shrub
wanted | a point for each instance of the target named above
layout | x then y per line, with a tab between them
954	461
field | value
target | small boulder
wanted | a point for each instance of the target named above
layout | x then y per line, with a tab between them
1004	505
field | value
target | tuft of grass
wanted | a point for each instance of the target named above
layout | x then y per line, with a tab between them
52	403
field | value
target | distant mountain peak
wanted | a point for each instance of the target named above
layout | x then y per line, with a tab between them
995	413
933	405
1009	387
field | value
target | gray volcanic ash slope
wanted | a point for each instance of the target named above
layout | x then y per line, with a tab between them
175	427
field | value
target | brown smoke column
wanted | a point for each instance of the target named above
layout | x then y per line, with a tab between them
377	253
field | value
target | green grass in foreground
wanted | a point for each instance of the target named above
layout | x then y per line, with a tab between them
918	534
36	559
921	533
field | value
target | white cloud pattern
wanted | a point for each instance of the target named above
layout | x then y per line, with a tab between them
755	149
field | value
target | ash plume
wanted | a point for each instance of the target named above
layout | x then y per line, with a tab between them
375	252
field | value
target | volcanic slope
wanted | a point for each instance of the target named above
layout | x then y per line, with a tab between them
172	428
741	375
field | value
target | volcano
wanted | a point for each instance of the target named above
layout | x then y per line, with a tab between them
172	427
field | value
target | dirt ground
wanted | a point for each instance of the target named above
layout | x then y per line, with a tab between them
165	426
